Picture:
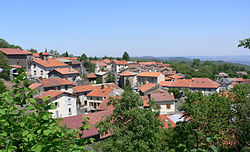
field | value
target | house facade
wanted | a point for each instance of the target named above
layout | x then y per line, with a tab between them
149	77
118	66
64	102
67	73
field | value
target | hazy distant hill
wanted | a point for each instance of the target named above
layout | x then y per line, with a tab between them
232	59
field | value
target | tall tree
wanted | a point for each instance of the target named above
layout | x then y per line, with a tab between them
245	43
2	87
54	53
4	66
110	77
125	56
5	44
132	128
83	57
32	50
196	63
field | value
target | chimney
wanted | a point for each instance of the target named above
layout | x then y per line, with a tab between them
69	69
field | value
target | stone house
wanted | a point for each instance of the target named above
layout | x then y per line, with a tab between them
149	77
130	76
67	73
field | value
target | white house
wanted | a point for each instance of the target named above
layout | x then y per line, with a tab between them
165	100
149	77
41	68
65	103
67	73
118	66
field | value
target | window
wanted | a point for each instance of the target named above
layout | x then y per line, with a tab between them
57	104
66	87
85	102
34	72
34	65
58	88
168	106
69	101
41	72
57	114
70	111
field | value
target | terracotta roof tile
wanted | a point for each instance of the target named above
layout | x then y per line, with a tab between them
35	85
65	71
50	63
75	122
175	76
162	96
239	79
92	75
84	88
127	73
55	82
145	100
16	66
100	92
120	62
146	87
45	53
103	106
203	83
149	74
167	78
147	63
36	55
13	51
166	121
107	61
51	94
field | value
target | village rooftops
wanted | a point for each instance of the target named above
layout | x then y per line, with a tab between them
45	53
100	63
149	74
55	82
75	122
14	51
91	75
107	61
162	96
120	62
103	106
50	63
166	121
147	87
147	63
127	73
191	83
35	85
65	71
84	88
36	55
100	92
52	94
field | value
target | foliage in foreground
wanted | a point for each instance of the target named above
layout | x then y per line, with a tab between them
132	128
26	125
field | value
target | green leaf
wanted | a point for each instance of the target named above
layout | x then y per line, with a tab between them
209	139
45	117
29	107
46	132
25	133
32	100
214	148
37	148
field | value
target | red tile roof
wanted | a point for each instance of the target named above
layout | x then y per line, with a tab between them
191	83
65	71
203	83
147	63
75	122
14	51
35	85
149	74
145	100
127	73
163	96
45	53
167	78
103	106
100	92
120	62
84	88
166	121
175	76
52	94
50	63
146	87
238	79
55	82
107	61
92	75
16	66
100	63
36	55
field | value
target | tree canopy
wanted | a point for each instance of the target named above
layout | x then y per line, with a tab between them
125	56
110	77
5	44
245	43
83	57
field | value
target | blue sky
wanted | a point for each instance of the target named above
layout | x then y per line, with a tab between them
142	27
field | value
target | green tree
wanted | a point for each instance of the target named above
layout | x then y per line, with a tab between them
54	53
132	128
66	54
99	80
32	50
245	43
2	87
5	44
26	125
176	92
83	57
125	56
217	122
196	63
90	67
127	86
4	66
110	77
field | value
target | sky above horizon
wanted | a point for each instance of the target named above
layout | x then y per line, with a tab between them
141	27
